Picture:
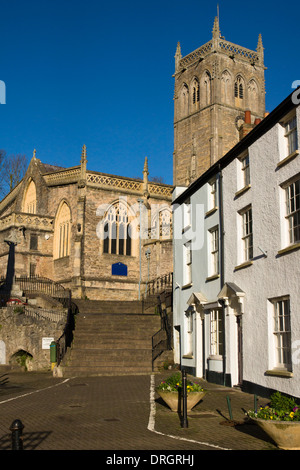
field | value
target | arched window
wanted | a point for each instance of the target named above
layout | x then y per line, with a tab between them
195	95
62	232
29	202
225	86
239	91
117	238
161	227
253	96
206	89
184	101
165	224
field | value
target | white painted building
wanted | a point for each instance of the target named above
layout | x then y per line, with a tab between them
236	302
197	277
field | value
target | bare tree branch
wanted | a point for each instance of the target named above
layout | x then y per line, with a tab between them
12	170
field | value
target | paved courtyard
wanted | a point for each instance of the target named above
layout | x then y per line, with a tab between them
121	413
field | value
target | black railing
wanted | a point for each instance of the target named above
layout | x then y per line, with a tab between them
65	340
160	284
163	339
34	284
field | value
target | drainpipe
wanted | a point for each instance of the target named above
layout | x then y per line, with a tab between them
222	275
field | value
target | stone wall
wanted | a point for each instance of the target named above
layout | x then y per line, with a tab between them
20	332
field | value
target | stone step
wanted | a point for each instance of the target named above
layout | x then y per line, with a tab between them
119	320
86	371
109	342
113	364
110	306
111	338
104	355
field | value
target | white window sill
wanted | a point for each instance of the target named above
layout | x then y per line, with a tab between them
188	356
288	158
212	278
289	249
243	190
186	227
243	265
211	211
215	357
279	373
186	286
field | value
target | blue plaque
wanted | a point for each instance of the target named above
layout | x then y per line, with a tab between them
119	269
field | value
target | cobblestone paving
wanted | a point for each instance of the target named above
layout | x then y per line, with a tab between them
113	413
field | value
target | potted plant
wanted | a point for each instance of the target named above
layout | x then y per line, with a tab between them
170	390
280	419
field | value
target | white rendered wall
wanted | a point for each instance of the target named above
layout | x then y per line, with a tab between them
268	277
201	223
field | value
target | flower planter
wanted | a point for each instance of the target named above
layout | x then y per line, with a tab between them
286	434
172	399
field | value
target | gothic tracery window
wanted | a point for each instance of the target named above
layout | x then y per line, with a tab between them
239	90
161	228
29	203
206	89
195	95
225	86
253	96
117	239
62	232
184	101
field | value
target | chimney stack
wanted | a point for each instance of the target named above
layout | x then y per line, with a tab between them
246	126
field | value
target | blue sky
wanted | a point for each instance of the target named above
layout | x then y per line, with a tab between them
99	73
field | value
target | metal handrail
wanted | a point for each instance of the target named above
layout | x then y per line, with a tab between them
31	284
65	340
155	286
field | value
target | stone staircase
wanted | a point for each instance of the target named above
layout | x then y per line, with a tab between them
110	338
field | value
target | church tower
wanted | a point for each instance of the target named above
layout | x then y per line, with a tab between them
214	87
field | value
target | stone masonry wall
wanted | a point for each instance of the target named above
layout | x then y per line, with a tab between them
19	332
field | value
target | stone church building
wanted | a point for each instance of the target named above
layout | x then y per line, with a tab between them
101	235
215	87
107	236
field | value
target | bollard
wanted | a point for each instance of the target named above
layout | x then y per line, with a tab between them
53	354
184	396
255	403
16	435
229	407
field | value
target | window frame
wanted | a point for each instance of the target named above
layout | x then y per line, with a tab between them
292	214
247	235
214	251
245	169
187	263
189	329
216	333
291	134
281	333
114	224
33	242
62	232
